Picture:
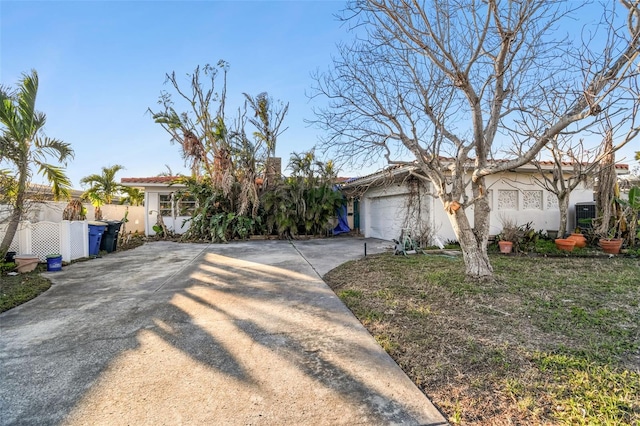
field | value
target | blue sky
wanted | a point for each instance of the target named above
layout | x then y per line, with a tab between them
103	63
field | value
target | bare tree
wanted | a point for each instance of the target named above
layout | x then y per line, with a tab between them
218	149
267	119
571	167
201	130
575	164
446	84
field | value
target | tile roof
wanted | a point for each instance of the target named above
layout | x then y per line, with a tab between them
396	169
150	180
169	179
570	163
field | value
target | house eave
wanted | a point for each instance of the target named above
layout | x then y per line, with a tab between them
395	172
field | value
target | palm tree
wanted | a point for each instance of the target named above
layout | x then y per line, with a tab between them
103	188
133	196
23	146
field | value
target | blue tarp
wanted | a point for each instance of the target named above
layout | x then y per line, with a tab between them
343	224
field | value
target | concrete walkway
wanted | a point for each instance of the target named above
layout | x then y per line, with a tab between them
235	334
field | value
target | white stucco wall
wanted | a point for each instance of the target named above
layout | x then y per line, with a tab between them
528	203
544	216
51	211
152	206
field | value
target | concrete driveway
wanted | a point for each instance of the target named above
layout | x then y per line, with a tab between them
239	334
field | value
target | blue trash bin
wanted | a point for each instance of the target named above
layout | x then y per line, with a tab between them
54	262
95	236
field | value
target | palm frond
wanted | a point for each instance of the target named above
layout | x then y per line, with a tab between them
26	98
53	147
104	186
59	181
9	116
94	197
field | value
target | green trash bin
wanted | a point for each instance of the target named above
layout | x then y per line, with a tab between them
109	241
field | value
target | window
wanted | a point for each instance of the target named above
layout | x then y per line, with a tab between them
186	205
165	205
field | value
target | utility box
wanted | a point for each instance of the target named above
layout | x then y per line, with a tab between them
585	213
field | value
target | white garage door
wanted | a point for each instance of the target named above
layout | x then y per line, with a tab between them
387	216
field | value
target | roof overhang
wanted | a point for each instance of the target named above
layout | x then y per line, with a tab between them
152	182
394	173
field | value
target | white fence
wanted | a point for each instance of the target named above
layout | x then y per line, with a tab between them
51	211
70	239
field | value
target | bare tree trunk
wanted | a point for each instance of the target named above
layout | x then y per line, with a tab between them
14	220
473	240
563	206
606	183
18	209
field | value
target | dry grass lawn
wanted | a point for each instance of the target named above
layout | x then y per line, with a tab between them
553	341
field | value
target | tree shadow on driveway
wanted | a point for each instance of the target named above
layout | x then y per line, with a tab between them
218	339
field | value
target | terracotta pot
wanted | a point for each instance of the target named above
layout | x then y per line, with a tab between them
26	262
565	244
505	246
580	240
611	245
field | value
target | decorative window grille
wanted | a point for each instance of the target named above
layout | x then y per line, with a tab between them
552	201
532	200
507	199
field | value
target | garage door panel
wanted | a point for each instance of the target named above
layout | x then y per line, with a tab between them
387	216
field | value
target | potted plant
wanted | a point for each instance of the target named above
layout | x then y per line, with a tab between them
611	229
610	245
580	240
508	237
612	242
565	244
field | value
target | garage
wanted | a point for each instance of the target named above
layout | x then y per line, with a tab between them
386	216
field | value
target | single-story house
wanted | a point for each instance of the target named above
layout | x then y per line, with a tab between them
384	203
159	199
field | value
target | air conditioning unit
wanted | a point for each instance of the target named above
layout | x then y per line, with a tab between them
585	213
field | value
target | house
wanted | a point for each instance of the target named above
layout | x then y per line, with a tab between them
385	203
160	200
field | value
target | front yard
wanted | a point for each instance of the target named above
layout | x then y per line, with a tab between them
554	341
18	289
